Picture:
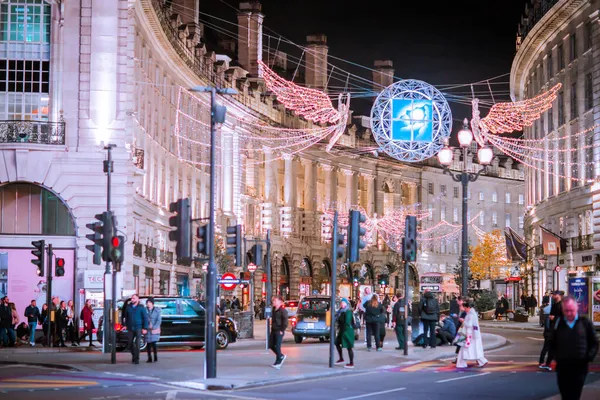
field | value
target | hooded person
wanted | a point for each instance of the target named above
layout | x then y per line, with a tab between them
345	333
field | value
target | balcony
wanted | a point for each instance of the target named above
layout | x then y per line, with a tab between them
33	132
582	243
137	156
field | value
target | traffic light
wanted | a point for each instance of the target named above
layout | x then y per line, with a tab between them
59	267
117	251
202	235
39	253
234	243
339	246
383	280
103	231
255	255
181	221
355	235
409	250
355	281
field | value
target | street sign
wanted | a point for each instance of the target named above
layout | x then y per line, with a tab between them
228	281
557	268
251	267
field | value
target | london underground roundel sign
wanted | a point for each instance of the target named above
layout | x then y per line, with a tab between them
410	120
228	277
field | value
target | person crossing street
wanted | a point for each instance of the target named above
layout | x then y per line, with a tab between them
279	322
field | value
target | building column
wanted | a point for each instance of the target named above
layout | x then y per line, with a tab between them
310	185
289	188
331	184
269	219
194	192
370	203
351	188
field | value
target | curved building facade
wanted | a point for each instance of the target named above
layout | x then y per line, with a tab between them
558	42
112	71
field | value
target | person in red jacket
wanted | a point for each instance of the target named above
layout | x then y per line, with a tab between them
87	316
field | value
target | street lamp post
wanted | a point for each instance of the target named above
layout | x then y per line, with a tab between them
445	156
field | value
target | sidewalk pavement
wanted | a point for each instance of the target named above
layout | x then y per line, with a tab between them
532	325
243	364
590	392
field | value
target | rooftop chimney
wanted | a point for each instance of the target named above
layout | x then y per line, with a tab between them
316	61
250	24
383	76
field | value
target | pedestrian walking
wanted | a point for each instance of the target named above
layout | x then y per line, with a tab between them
32	313
7	333
87	316
398	318
44	321
547	348
374	316
387	307
154	321
532	302
136	320
71	330
15	321
430	314
459	320
62	321
345	333
392	304
575	346
279	322
454	307
471	347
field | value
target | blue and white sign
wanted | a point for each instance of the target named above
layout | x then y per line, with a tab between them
410	120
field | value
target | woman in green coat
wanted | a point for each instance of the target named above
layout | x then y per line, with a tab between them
345	334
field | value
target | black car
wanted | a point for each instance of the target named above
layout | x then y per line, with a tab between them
183	324
313	318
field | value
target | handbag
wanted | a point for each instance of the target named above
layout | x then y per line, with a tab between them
461	337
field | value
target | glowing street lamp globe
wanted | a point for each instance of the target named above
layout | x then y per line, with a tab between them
485	155
465	136
445	156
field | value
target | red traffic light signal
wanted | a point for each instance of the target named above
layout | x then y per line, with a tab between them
59	267
355	283
60	262
115	241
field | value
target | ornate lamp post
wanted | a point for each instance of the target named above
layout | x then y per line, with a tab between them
445	156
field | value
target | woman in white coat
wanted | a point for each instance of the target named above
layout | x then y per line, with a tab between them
472	347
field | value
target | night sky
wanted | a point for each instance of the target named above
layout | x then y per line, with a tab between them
440	42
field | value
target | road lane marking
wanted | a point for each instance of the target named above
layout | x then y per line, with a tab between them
463	377
533	338
362	396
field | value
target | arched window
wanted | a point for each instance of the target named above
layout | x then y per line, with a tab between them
305	267
29	209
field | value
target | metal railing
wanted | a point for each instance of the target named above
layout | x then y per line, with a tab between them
581	243
36	132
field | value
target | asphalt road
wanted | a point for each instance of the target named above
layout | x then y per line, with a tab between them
512	373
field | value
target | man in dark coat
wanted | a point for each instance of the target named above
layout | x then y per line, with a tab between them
137	325
7	334
575	345
32	313
430	314
398	318
532	302
279	322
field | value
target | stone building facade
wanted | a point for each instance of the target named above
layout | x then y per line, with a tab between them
559	42
115	70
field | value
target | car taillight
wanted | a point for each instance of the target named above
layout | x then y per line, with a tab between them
293	321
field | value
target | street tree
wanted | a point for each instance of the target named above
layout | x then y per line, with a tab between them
489	257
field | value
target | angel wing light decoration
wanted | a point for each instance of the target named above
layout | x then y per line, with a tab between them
511	116
314	105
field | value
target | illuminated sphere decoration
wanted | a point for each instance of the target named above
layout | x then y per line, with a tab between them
410	120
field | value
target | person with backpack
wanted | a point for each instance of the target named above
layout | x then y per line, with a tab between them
398	317
374	317
575	345
345	335
430	314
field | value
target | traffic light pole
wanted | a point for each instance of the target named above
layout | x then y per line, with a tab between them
210	354
269	288
334	258
51	313
405	308
106	326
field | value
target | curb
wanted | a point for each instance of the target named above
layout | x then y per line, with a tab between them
227	384
515	328
43	365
